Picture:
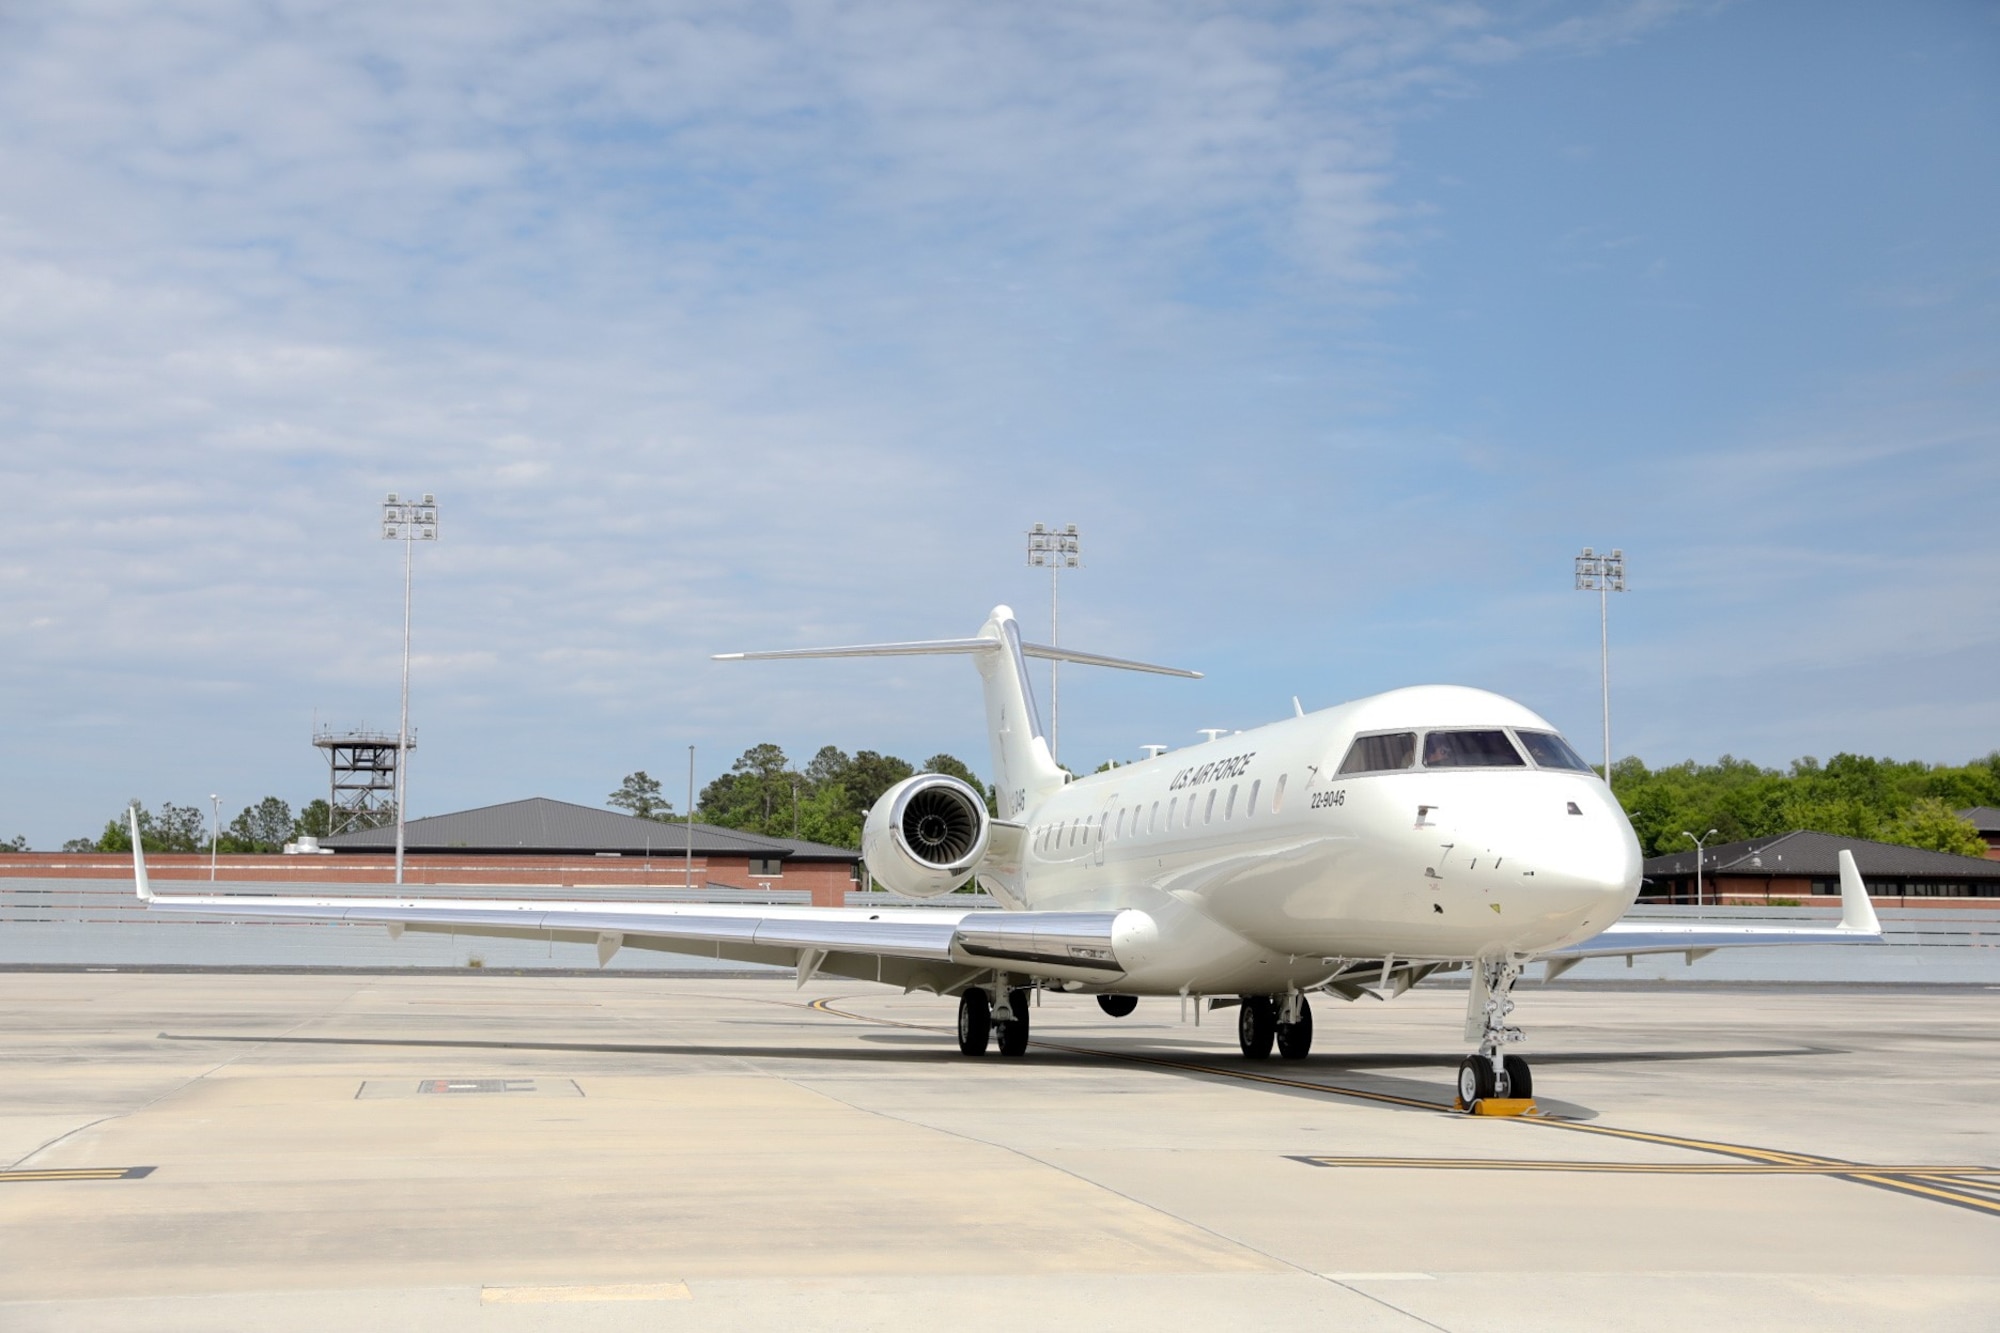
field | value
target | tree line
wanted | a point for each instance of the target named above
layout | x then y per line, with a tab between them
263	827
1849	795
827	799
764	792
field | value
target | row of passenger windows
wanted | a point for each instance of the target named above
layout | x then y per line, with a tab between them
1142	820
1485	748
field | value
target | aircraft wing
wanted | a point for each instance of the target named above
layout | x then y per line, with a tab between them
924	948
1858	925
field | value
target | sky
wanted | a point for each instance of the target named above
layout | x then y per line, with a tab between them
1338	329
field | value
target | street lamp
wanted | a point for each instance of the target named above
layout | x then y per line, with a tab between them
1697	859
214	832
1054	550
1603	575
409	523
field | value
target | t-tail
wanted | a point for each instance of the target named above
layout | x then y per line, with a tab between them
1024	772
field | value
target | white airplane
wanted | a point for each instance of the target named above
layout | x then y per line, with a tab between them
1357	849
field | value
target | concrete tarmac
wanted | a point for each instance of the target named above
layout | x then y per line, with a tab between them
623	1152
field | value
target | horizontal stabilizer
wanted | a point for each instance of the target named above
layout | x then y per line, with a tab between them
930	647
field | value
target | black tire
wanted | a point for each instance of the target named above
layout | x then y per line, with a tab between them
1118	1005
1475	1080
1520	1083
1013	1032
1256	1025
975	1022
1295	1040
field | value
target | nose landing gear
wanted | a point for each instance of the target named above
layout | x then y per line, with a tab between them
1489	1074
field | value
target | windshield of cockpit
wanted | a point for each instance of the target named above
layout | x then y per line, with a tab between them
1460	747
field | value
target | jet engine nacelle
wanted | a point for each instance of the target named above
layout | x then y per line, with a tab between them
925	835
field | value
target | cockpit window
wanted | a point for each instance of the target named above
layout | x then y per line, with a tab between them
1470	749
1381	754
1549	750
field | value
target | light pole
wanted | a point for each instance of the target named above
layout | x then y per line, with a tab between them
1054	550
687	874
408	523
1603	575
214	832
1697	860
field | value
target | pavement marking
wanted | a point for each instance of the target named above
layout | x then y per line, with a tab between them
1641	1168
1927	1182
77	1173
624	1291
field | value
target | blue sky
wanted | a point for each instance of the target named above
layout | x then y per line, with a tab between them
1338	329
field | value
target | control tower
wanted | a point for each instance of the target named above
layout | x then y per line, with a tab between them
361	778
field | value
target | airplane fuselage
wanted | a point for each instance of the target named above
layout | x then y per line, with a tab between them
1261	865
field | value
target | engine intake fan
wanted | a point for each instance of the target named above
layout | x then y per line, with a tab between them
925	836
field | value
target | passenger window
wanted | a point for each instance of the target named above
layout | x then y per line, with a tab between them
1153	818
1250	810
1470	749
1381	754
1278	796
1229	810
1208	811
1551	751
1119	832
1172	806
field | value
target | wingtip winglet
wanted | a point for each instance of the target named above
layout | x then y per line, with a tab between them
138	855
1857	912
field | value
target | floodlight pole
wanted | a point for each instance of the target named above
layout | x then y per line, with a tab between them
1697	860
409	524
1604	575
687	875
214	832
1057	549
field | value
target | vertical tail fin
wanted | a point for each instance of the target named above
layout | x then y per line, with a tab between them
1024	772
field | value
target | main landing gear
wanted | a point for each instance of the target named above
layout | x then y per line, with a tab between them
979	1021
1488	1073
1285	1019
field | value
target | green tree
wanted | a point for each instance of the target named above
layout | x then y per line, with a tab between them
315	820
177	828
639	794
17	843
756	795
263	827
1929	823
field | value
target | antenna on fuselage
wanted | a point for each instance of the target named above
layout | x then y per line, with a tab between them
1298	709
1212	732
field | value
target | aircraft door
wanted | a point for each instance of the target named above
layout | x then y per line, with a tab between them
1102	831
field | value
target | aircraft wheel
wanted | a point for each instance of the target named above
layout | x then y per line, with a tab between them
975	1021
1520	1083
1013	1032
1475	1079
1295	1040
1118	1005
1256	1025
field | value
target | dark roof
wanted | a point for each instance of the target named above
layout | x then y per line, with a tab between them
1984	818
540	825
1818	855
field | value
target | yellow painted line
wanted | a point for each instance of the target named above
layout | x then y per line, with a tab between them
1647	1168
623	1291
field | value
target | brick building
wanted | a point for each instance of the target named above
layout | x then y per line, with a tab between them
532	842
1804	867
